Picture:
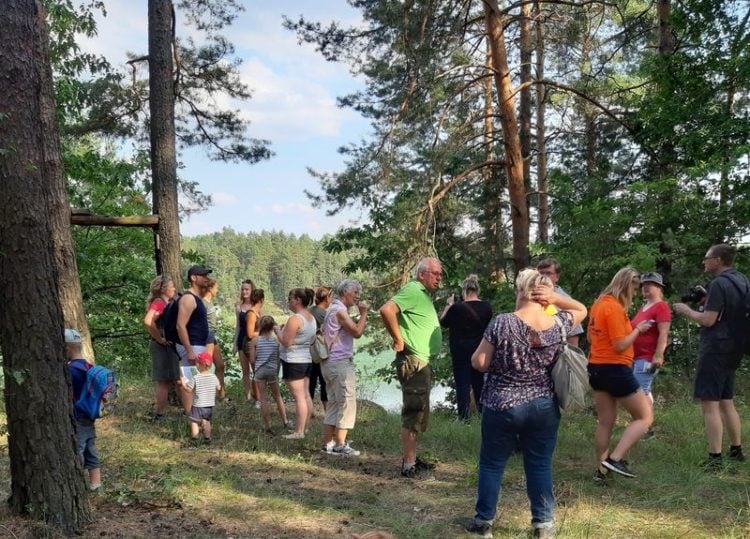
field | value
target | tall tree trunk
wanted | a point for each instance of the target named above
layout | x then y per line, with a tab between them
163	141
590	133
509	123
541	142
525	100
46	476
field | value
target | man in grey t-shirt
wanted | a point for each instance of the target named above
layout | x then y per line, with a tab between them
551	268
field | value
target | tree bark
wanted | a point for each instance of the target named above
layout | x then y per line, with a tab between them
525	98
509	123
163	139
46	476
541	142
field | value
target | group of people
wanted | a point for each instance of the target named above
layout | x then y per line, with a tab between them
505	361
519	406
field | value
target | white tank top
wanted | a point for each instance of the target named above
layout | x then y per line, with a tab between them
299	351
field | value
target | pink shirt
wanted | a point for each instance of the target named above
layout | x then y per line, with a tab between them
340	342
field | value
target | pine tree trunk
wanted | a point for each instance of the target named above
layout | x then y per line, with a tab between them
163	139
541	142
509	123
46	476
525	101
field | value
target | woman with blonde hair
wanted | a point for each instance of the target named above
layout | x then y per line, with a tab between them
165	363
519	405
610	369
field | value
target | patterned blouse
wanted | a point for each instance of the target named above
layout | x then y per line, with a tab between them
519	370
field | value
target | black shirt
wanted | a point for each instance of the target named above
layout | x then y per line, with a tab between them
726	299
467	319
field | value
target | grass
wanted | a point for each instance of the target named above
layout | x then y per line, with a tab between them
247	484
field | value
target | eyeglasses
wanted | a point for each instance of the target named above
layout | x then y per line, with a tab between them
709	258
435	273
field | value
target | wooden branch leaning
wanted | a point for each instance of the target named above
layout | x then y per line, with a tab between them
86	218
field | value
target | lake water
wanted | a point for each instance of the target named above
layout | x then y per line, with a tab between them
387	395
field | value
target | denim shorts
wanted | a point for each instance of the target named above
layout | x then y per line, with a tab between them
86	438
642	370
200	414
617	380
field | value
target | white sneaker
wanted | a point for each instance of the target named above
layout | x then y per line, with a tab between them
345	450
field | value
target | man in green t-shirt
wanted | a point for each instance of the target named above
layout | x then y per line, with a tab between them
410	318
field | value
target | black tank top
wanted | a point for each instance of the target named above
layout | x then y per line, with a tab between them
197	326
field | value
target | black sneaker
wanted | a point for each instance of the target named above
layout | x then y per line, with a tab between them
424	465
480	527
736	454
619	467
409	471
713	464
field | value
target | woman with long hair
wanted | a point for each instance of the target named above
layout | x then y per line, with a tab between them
165	363
322	302
267	371
466	321
519	405
297	336
257	299
241	309
610	368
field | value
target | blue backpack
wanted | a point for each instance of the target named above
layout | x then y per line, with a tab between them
99	393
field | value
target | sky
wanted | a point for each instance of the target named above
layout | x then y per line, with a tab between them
293	105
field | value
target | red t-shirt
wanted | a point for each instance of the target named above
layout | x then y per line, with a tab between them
158	306
645	344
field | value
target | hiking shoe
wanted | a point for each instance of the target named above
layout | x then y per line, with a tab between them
480	527
619	467
424	465
345	450
736	454
408	471
713	464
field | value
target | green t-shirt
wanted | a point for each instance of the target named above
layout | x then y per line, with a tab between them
418	321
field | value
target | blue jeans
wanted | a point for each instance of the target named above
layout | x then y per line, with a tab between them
535	425
465	376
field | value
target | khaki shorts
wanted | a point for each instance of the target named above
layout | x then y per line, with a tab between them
340	377
415	377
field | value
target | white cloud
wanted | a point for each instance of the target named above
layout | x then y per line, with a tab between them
292	208
224	199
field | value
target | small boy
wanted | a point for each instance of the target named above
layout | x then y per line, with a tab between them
204	386
85	430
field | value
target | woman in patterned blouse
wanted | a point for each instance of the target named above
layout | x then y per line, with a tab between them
519	404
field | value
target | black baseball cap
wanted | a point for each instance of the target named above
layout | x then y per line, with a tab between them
198	270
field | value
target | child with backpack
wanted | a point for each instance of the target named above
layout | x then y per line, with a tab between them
203	386
85	430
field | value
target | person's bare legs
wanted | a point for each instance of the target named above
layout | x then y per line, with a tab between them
195	429
606	414
713	425
641	411
247	383
219	370
95	478
264	407
161	394
409	444
186	396
299	391
207	429
731	421
276	392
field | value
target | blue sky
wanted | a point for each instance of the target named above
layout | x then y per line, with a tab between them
293	105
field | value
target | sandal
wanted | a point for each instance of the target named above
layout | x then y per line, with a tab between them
293	436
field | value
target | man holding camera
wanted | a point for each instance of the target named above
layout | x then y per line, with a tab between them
719	352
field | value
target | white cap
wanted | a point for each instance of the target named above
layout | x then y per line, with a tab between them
72	336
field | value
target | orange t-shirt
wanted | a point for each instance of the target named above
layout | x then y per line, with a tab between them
608	322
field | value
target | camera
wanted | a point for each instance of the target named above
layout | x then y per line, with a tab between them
694	294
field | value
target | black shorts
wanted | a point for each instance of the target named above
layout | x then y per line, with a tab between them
714	381
617	380
295	371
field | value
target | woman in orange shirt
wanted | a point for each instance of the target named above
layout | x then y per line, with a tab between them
610	370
